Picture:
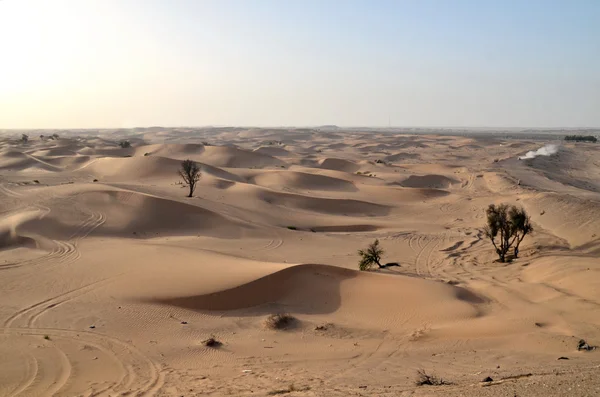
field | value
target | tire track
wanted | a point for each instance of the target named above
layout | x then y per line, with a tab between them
52	302
32	372
418	258
141	375
9	192
64	375
67	252
428	259
411	242
423	259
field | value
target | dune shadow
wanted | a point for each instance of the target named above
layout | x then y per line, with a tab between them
300	289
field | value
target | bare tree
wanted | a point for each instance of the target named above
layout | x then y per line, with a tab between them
190	173
506	226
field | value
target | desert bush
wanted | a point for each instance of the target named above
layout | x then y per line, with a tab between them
290	389
279	321
506	228
370	256
212	342
125	144
425	379
581	138
190	174
24	138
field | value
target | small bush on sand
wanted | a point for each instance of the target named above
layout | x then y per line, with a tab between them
125	144
370	256
279	321
425	379
290	389
46	337
212	342
292	227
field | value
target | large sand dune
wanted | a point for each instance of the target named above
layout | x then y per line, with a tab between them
302	181
428	181
112	278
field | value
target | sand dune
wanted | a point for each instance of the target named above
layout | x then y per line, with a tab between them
339	165
55	152
345	207
319	289
566	216
172	151
272	151
127	213
17	161
135	168
402	156
10	236
302	181
428	181
236	158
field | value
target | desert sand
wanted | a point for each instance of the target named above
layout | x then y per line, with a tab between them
111	277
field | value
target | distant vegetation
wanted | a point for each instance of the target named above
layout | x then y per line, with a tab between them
581	138
24	138
506	228
190	174
125	144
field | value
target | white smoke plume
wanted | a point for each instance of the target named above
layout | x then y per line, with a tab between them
547	150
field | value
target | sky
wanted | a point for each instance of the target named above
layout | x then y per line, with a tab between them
137	63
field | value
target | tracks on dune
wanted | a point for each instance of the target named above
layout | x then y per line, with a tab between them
424	246
33	312
138	375
66	252
9	192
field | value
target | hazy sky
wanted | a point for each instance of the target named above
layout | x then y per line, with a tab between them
124	63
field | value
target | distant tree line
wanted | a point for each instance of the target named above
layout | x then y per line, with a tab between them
581	138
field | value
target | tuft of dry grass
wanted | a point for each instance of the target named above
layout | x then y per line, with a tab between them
291	388
425	379
279	321
212	342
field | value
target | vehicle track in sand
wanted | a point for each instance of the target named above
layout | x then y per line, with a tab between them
427	246
138	375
